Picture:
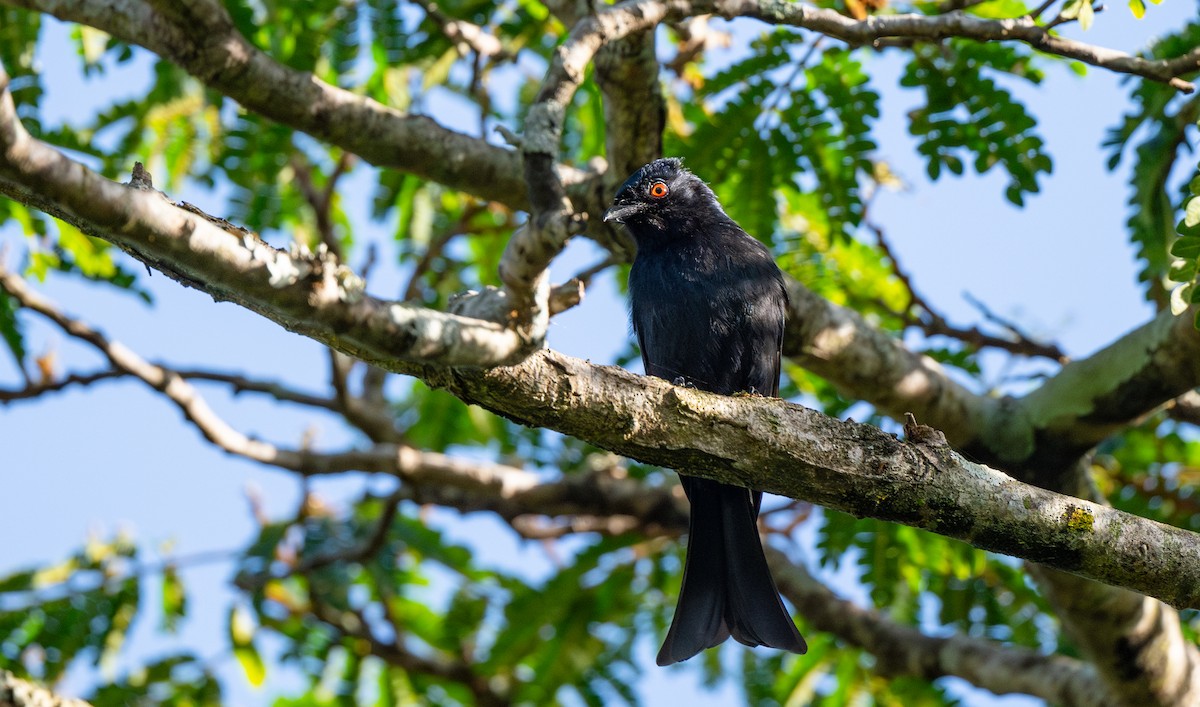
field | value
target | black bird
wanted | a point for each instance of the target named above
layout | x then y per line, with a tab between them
707	304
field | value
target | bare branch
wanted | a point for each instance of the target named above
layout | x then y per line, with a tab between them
933	323
321	200
37	389
242	384
363	550
239	384
353	624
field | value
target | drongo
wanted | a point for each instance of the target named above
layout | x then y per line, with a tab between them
707	304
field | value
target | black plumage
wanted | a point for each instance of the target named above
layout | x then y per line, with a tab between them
707	304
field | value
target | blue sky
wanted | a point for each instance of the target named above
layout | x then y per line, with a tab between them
117	455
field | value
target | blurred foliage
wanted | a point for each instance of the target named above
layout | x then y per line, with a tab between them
785	130
1155	134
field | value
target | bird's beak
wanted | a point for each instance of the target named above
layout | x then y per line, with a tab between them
620	212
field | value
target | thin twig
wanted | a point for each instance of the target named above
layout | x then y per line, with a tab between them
934	323
34	390
239	383
1036	13
364	550
320	201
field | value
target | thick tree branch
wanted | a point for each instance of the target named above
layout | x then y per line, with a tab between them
796	452
306	293
831	341
634	110
1093	398
515	494
765	444
837	344
643	418
15	692
1134	641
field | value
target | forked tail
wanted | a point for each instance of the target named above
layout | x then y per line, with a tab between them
727	586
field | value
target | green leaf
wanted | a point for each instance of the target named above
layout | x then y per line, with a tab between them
252	664
1182	271
1138	8
241	636
174	599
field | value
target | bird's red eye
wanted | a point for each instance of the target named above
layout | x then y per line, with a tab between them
658	190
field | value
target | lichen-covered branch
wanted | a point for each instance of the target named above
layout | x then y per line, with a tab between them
796	452
864	362
1091	399
601	501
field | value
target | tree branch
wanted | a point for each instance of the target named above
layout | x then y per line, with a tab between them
837	344
15	692
465	36
206	44
796	452
302	292
904	650
37	389
239	384
959	24
934	324
1093	398
353	624
615	410
764	444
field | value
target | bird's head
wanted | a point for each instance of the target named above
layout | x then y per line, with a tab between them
662	196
